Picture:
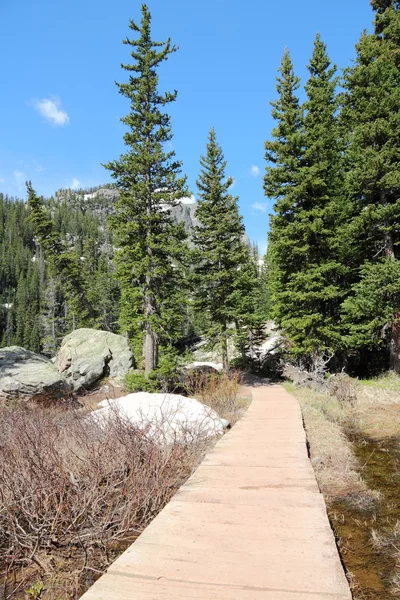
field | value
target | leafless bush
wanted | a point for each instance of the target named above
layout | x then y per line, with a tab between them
74	490
310	374
343	387
218	391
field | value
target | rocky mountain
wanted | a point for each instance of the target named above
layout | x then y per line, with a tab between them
101	201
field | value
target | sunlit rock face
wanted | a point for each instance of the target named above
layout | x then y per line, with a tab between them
25	375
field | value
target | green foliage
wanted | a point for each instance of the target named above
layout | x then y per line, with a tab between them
374	306
151	244
224	273
35	590
62	262
36	310
139	382
304	259
168	367
166	377
371	118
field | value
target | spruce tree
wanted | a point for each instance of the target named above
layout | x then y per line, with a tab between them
63	262
305	237
371	116
284	153
224	273
149	180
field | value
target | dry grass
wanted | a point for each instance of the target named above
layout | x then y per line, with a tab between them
332	454
354	410
371	407
389	541
221	392
74	493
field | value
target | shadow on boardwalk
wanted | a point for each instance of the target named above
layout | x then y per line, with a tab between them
252	380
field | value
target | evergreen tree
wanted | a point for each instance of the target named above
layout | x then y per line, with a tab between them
149	180
64	262
371	115
305	237
224	273
284	154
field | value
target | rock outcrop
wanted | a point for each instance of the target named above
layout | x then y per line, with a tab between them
165	417
30	376
87	355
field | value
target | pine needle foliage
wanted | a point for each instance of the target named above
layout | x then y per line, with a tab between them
224	274
148	176
63	262
304	248
371	115
283	154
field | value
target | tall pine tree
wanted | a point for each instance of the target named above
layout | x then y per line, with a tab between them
149	180
284	153
224	273
305	237
371	116
63	262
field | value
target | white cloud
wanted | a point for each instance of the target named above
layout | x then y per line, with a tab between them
2	180
260	206
50	109
254	170
75	185
19	178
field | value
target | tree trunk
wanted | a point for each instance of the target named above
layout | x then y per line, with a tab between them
389	246
224	349
151	338
242	347
395	345
150	351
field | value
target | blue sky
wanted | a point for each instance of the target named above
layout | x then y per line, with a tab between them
59	108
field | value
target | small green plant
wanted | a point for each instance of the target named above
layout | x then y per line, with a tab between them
137	382
35	591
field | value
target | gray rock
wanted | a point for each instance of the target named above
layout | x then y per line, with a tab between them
26	375
102	200
87	355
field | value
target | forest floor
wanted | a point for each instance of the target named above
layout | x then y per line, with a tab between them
354	440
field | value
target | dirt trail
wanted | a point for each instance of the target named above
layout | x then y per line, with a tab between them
250	524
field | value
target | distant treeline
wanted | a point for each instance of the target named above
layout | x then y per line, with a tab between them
34	310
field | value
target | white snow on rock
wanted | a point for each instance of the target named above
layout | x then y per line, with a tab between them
197	365
90	196
188	200
272	345
167	417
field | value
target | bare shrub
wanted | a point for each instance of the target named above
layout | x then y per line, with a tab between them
343	387
218	391
311	374
73	491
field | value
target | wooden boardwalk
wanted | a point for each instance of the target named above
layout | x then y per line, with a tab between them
250	524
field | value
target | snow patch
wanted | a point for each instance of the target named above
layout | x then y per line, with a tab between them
167	418
90	196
